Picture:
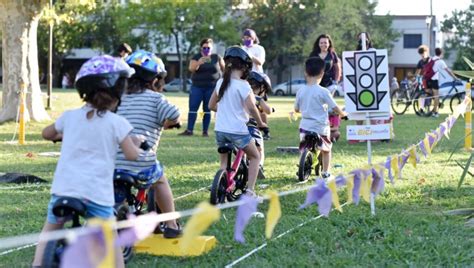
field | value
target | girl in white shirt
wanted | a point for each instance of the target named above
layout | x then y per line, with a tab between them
91	136
233	100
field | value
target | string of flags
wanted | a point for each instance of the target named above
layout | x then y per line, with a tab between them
98	243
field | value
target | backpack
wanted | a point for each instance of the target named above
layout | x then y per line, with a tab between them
428	71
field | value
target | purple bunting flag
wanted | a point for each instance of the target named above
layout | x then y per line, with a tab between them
143	227
244	214
423	149
356	190
341	180
388	166
378	183
90	247
321	195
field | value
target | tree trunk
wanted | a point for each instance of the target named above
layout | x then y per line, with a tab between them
20	59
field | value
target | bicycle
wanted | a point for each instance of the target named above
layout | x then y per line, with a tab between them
132	192
410	94
72	209
455	97
230	183
308	148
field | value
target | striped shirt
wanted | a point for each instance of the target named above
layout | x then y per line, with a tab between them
146	112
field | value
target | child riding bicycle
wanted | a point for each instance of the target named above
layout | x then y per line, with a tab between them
149	112
261	85
91	136
231	100
314	102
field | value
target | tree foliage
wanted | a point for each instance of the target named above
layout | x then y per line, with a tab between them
288	29
461	25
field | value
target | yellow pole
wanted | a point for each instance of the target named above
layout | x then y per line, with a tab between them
21	131
468	116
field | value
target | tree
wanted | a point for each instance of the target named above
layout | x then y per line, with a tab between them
460	23
19	22
282	27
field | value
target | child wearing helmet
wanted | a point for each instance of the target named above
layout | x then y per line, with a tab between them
149	112
233	100
260	84
91	136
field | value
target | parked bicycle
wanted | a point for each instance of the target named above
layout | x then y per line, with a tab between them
410	93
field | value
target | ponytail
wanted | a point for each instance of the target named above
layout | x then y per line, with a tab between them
232	63
225	81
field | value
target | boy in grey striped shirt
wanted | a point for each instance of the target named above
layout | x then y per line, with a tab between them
149	112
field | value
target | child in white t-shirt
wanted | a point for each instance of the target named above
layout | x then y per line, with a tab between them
233	100
91	136
314	102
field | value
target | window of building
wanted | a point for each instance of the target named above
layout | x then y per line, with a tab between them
411	40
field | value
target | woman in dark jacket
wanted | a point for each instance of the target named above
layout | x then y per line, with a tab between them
206	69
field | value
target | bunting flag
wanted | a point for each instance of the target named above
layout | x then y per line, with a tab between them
273	214
402	160
244	214
143	227
394	165
109	243
350	189
89	246
423	150
334	196
413	157
357	185
365	186
321	195
388	166
426	143
378	183
206	214
340	180
433	139
444	130
451	121
96	248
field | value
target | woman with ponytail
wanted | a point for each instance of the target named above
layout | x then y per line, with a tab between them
233	100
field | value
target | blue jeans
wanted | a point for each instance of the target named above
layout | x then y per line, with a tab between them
238	140
196	96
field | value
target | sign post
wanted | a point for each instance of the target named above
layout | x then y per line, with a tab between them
367	94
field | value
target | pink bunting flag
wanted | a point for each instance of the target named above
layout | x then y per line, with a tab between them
321	195
143	226
86	251
244	214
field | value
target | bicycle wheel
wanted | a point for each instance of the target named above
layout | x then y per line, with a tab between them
423	104
120	213
455	101
218	188
52	253
306	163
241	179
399	101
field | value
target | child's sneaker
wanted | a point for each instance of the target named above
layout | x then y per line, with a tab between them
172	233
326	176
435	115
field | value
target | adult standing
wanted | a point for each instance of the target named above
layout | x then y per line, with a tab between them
255	51
324	49
206	69
438	65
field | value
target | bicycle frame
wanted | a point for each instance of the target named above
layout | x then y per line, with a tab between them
232	168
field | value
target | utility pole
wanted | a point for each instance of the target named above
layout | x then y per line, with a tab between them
50	60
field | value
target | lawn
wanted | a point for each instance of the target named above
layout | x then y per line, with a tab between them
409	228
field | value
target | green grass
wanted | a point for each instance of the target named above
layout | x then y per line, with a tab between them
408	230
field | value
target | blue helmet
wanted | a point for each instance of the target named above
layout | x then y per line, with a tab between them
147	66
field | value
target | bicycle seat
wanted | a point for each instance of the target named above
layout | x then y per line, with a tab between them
124	178
69	206
312	137
227	148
